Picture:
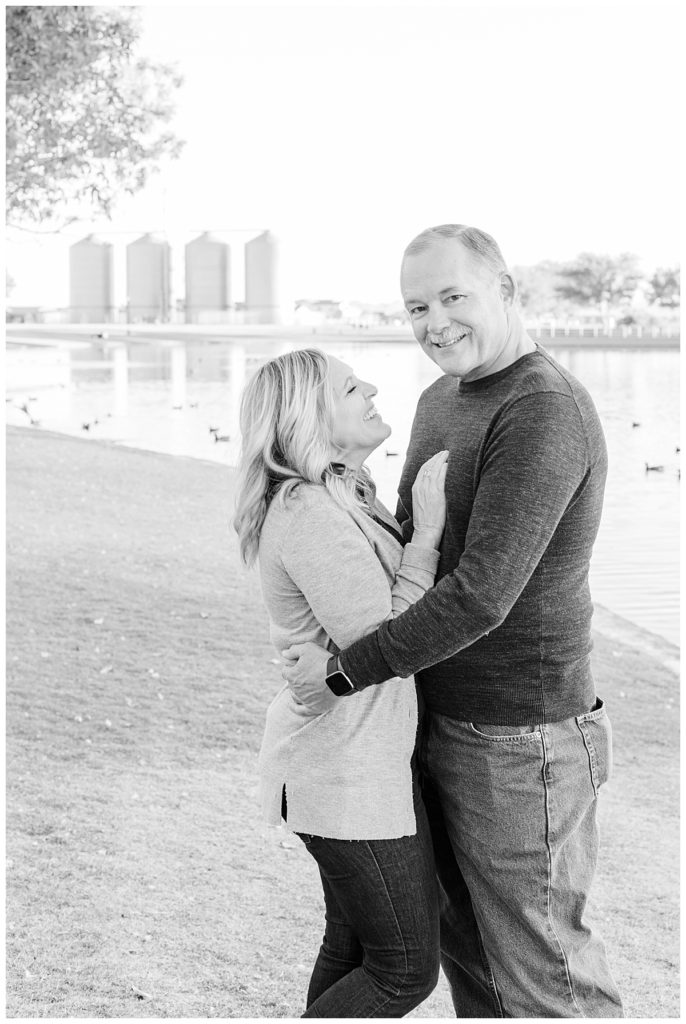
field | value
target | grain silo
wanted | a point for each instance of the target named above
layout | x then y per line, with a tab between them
148	279
91	281
208	280
262	299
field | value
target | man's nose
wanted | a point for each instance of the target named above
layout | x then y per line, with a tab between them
437	319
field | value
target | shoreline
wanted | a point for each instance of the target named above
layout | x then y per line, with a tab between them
108	334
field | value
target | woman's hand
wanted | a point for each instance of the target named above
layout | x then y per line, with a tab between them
428	501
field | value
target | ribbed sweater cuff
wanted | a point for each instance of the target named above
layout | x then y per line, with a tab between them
421	558
364	663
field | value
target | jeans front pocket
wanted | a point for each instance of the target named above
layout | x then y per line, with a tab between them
597	735
506	733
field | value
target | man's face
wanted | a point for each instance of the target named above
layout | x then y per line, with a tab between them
458	308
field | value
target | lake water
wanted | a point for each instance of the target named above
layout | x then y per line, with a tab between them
166	395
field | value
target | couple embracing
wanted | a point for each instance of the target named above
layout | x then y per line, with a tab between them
439	745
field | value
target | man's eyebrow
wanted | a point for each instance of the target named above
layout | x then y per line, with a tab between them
444	291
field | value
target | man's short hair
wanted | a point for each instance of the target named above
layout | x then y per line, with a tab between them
484	248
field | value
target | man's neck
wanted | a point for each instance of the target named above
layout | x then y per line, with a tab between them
518	343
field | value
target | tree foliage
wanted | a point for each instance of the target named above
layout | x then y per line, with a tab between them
665	287
536	287
85	115
598	280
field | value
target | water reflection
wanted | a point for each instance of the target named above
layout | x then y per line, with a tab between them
180	397
178	376
120	373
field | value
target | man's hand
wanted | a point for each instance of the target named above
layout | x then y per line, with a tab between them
306	673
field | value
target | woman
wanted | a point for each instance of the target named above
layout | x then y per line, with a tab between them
332	567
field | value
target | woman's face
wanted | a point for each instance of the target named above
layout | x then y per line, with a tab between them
357	427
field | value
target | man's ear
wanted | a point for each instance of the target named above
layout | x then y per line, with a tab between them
508	288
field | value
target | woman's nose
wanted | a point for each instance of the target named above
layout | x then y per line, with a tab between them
370	390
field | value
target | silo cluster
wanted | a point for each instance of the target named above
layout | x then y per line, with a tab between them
208	290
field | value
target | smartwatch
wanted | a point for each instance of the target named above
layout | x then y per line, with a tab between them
336	679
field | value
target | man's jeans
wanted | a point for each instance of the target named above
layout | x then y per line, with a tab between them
380	954
512	811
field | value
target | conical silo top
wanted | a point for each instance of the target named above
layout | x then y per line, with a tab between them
267	239
207	236
149	238
91	240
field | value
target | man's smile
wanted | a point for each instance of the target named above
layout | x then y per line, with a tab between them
446	340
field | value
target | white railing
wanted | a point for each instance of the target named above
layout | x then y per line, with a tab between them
625	331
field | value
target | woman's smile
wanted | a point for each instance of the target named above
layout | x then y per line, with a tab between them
357	424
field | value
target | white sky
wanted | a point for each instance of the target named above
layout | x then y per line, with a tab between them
348	129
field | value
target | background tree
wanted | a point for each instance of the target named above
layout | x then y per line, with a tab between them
665	287
85	115
598	280
536	288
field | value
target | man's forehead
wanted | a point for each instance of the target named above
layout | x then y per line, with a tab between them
445	259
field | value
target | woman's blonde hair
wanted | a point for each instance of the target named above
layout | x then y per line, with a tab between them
286	421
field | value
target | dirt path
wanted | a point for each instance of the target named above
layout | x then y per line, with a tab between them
140	883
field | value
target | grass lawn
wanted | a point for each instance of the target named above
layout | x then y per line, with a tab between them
140	881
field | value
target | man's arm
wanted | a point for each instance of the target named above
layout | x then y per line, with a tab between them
535	462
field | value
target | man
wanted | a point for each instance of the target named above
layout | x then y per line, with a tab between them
514	743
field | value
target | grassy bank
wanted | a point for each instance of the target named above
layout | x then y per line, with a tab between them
140	882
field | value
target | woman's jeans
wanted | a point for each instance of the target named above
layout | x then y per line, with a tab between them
380	953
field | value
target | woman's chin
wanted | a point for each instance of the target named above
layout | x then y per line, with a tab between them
384	433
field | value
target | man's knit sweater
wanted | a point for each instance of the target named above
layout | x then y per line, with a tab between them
504	637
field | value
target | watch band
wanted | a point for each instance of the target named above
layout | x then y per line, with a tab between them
332	665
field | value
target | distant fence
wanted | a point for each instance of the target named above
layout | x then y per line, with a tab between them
634	332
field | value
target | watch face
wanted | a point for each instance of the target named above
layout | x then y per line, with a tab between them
339	683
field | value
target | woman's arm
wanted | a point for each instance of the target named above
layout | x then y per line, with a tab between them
428	500
338	573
